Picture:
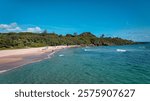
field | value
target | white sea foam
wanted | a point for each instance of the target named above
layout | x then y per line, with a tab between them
85	49
61	55
2	71
121	50
88	49
97	50
49	55
143	47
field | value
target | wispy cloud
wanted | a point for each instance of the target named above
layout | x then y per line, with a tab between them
14	27
34	29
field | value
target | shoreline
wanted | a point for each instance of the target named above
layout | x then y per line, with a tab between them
12	59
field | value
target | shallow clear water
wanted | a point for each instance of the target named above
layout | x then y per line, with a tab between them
98	65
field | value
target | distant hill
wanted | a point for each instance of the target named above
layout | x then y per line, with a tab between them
142	42
27	39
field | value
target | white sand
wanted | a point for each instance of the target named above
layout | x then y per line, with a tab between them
10	59
28	51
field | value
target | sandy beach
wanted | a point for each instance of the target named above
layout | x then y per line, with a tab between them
10	59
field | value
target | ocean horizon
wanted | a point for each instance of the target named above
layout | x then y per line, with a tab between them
127	64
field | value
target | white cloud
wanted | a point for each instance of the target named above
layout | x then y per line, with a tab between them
34	29
13	27
17	29
4	26
8	26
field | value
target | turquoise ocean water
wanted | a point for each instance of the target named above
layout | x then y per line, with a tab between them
127	64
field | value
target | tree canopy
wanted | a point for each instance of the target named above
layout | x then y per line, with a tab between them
27	39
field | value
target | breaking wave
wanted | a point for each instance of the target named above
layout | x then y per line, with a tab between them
121	50
61	55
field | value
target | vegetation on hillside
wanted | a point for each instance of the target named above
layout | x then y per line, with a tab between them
27	39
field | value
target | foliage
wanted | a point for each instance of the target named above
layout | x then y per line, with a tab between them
27	39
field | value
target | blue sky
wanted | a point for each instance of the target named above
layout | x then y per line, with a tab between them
128	19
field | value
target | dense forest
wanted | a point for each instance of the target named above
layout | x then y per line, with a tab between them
27	39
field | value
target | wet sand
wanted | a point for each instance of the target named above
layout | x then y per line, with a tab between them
10	59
